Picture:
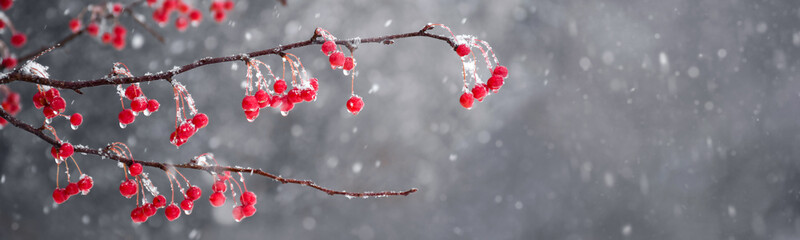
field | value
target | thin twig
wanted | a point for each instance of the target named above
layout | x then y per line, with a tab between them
107	154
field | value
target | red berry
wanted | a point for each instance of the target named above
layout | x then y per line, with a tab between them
135	169
251	115
238	213
262	97
120	31
118	42
495	82
149	209
286	104
75	25
181	23
463	50
65	150
6	4
479	91
336	59
76	119
138	215
187	205
295	95
72	189
117	8
172	212
173	138
159	201
18	39
195	15
152	105
186	130
355	104
308	95
106	38
228	5
279	86
60	196
169	5
219	16
248	198
58	104
2	24
9	62
85	184
39	100
349	64
328	47
128	188
133	91
249	210
54	153
217	199
52	94
219	186
194	193
182	7
126	116
49	112
500	70
276	101
139	104
200	120
93	29
466	100
249	103
160	16
314	84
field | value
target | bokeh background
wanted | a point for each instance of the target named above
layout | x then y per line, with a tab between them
619	120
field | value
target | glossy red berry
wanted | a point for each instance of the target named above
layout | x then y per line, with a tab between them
314	83
466	100
139	104
9	62
227	5
195	15
187	205
160	16
172	212
238	213
93	29
137	215
479	91
135	169
463	50
295	95
495	82
85	184
117	8
286	104
126	116
355	104
249	103
349	64
308	95
152	105
72	189
49	112
219	16
159	201
279	86
38	100
65	150
149	209
186	130
60	196
194	193
74	25
248	198
328	47
276	101
58	104
51	94
200	120
217	199
336	59
249	210
118	41
500	71
54	153
120	31
6	4
263	98
76	119
133	91
106	38
18	39
251	115
128	188
219	186
181	23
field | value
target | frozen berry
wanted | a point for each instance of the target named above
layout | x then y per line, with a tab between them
149	209
314	83
308	95
479	91
181	23
172	212
126	116
286	105
194	193
336	59
76	119
39	100
128	188
72	189
18	39
139	104
249	210
248	198
495	82
51	94
75	25
279	86
186	130
501	71
85	184
120	31
219	186
65	150
466	100
355	104
295	95
217	199
137	215
238	214
349	64
58	104
200	120
328	47
9	62
462	50
263	98
187	205
159	201
60	195
249	103
133	91
49	112
93	29
251	115
152	105
135	169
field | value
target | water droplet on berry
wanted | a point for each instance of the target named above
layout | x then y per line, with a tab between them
284	113
48	120
74	127
122	125
147	112
187	212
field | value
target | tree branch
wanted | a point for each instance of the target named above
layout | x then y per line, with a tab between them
106	154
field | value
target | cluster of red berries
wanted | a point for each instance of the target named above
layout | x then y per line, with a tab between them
337	60
218	197
61	195
186	14
11	105
139	104
187	129
248	207
18	39
481	90
62	152
221	9
192	194
251	104
50	102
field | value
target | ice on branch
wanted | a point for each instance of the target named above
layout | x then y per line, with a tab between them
35	69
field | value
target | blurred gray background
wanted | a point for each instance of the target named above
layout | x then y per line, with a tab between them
619	120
